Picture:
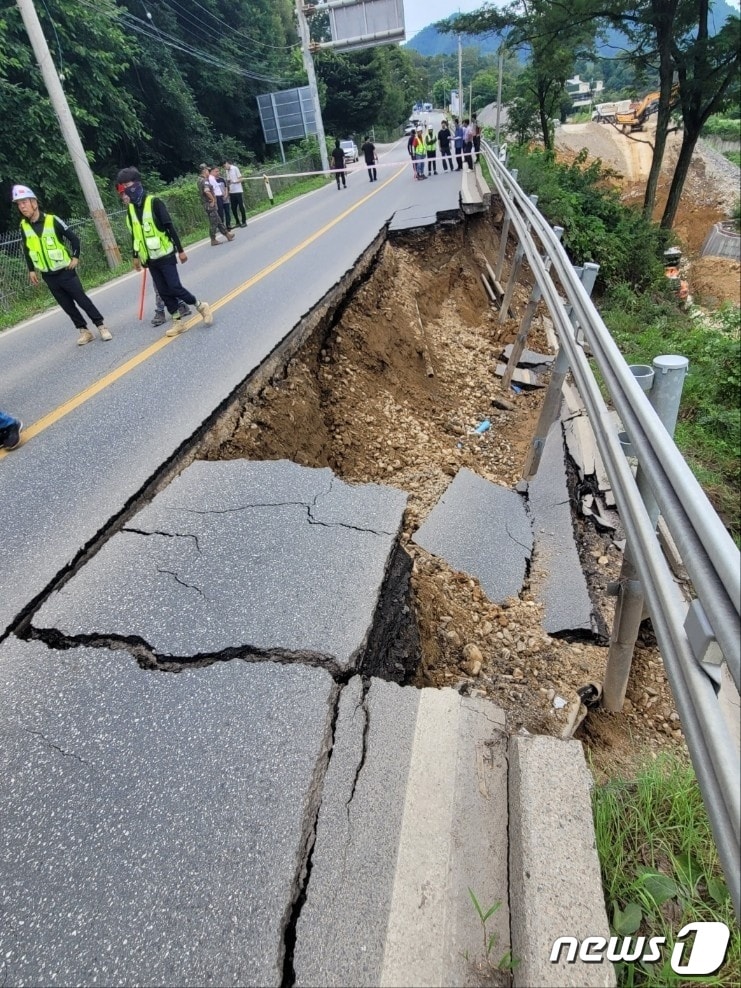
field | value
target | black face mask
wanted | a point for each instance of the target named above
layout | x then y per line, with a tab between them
135	192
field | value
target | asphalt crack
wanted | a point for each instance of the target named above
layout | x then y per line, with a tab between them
55	747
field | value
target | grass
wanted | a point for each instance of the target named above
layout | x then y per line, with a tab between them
38	300
660	868
708	430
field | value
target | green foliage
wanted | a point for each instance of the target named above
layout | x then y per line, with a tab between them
660	868
507	962
708	431
597	227
721	125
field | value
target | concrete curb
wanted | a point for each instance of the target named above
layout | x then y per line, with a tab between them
555	885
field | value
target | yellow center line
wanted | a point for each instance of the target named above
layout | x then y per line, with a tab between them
115	375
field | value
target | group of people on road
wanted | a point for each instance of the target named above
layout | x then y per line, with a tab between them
51	248
339	169
422	147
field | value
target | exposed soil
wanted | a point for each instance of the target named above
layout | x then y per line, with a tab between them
391	394
360	400
709	195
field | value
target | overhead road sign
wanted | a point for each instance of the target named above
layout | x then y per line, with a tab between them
361	23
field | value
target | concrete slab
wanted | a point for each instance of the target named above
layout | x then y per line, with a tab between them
435	199
482	529
154	825
529	358
413	814
269	558
522	375
554	868
556	576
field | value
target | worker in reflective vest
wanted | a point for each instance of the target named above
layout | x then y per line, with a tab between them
52	250
419	153
156	246
431	149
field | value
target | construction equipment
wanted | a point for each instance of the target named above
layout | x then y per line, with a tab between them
638	113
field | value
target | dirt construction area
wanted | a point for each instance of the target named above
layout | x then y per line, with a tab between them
390	390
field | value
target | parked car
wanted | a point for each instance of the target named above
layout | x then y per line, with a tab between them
351	150
427	108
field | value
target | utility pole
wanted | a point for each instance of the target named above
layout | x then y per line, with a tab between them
303	33
460	82
499	91
69	132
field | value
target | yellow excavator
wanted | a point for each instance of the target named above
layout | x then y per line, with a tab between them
638	113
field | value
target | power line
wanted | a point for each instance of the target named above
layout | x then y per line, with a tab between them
241	34
149	29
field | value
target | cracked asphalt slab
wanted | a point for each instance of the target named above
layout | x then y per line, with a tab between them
557	573
234	557
483	529
413	813
155	825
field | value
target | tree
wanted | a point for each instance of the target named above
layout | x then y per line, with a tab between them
673	37
708	77
552	34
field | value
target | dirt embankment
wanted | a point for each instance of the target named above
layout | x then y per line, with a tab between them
709	196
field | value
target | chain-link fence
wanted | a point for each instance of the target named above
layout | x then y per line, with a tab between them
187	215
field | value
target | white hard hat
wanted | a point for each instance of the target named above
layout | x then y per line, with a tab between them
22	192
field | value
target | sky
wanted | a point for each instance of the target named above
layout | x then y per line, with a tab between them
420	13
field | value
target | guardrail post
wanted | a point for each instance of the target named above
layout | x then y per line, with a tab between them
519	344
515	272
552	403
505	233
663	382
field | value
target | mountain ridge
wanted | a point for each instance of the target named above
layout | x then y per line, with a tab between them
430	42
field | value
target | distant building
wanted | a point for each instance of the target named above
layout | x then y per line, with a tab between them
582	93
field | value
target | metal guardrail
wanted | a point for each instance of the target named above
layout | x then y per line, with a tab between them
707	550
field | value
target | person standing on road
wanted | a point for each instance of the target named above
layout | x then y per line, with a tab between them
208	200
218	184
443	139
236	193
468	135
476	139
338	164
52	250
159	318
10	431
458	135
371	158
419	154
431	149
155	244
410	143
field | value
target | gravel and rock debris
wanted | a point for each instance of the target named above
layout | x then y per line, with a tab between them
361	401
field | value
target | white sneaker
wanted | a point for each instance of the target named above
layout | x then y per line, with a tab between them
105	333
205	309
85	337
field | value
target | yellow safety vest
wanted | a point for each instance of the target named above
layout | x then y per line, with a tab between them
430	142
419	148
47	252
150	242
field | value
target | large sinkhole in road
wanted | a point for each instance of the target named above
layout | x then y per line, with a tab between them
393	374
